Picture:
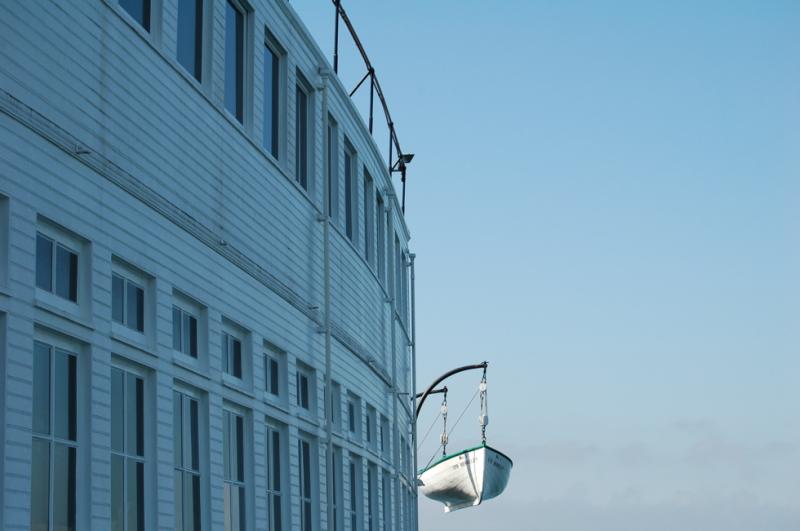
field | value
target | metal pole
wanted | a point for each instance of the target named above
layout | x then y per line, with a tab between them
412	256
403	180
371	96
327	305
336	39
446	375
391	145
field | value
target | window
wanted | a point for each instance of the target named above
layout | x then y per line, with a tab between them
127	302
56	268
186	449
184	332
234	61
272	81
190	36
233	462
386	500
301	136
139	10
355	493
336	406
305	381
332	167
372	498
274	482
384	434
368	225
273	372
54	446
336	470
380	248
306	477
231	355
372	427
398	274
127	451
348	192
354	414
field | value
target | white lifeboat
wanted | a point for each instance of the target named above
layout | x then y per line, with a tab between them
466	478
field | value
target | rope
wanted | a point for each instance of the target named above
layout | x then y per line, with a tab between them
451	429
429	429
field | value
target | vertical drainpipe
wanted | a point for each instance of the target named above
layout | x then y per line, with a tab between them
395	391
412	256
327	304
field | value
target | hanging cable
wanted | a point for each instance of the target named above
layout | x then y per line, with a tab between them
430	428
451	430
443	438
484	418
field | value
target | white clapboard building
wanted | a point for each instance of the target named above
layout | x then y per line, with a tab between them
175	304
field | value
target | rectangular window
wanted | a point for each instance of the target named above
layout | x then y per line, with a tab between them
139	10
56	268
54	444
233	464
386	501
127	451
303	388
272	72
127	302
372	427
336	470
380	247
190	36
351	415
234	61
274	479
184	332
398	274
372	498
186	449
368	225
355	493
231	355
384	434
301	137
272	374
333	167
336	406
348	193
306	477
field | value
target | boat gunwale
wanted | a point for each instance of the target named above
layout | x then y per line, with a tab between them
450	456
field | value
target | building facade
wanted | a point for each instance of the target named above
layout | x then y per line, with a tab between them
168	252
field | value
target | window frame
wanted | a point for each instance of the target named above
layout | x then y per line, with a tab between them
240	113
278	101
307	521
199	31
273	427
272	354
146	24
332	161
188	393
229	411
355	503
307	372
304	162
350	158
369	225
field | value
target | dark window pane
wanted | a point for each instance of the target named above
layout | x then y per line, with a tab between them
239	448
242	526
139	416
306	456
190	36
117	493
64	399
271	80
135	495
273	376
44	262
276	513
117	298
194	435
192	337
237	358
226	444
177	428
139	10
63	487
117	410
304	391
41	388
348	195
176	328
276	461
179	500
301	137
134	415
307	516
66	273
40	485
195	505
135	303
234	61
225	357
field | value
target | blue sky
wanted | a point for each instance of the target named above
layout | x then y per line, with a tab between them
605	204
